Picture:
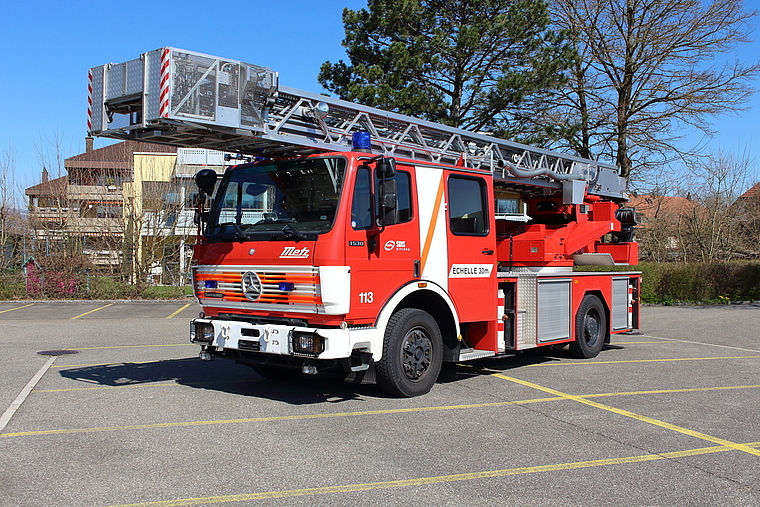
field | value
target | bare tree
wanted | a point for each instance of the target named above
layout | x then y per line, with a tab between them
646	69
11	225
158	224
748	208
660	223
712	231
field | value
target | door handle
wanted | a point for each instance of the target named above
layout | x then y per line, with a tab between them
487	252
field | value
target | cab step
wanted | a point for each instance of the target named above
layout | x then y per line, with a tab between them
470	354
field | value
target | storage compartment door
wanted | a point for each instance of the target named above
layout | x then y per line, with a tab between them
554	310
620	303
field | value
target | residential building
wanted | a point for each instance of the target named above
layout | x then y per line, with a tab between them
127	207
662	224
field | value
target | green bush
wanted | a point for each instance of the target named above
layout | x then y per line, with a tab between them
700	283
105	287
662	283
12	286
166	292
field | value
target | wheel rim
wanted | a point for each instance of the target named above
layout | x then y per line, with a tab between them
416	353
591	327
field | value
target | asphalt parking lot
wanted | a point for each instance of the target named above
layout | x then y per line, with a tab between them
666	416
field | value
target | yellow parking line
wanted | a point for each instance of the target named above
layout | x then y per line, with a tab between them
178	311
144	385
637	343
422	481
670	391
632	415
675	359
91	311
139	346
100	364
270	419
17	308
326	416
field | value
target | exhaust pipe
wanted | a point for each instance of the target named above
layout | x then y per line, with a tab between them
308	369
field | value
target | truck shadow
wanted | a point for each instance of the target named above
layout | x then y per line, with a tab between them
454	372
326	387
223	376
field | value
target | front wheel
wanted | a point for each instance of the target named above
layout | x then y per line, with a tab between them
590	328
412	354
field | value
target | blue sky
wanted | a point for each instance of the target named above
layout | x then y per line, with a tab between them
48	46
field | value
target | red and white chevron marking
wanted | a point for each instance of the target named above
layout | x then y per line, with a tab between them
89	100
163	111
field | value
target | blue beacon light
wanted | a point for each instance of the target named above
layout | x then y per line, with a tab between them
361	141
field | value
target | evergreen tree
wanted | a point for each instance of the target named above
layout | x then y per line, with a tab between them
471	64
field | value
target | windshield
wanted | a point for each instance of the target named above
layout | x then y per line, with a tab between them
295	199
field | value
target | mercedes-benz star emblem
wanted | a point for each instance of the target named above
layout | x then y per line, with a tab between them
251	284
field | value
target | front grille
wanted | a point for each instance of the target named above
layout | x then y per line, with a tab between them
227	280
249	345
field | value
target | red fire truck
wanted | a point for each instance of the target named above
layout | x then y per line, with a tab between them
372	241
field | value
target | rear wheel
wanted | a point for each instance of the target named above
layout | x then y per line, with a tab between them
590	328
412	354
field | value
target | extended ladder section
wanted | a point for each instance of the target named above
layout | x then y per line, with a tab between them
187	99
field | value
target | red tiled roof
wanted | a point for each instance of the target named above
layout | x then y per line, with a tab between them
120	152
752	192
654	204
56	187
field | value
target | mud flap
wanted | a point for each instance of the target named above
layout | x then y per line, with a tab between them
367	376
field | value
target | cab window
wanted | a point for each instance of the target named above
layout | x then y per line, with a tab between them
361	206
468	208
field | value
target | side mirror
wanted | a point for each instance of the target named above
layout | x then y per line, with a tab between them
206	180
386	167
388	212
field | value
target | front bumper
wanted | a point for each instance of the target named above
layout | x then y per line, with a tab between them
278	339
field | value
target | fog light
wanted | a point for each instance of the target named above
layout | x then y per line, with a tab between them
308	344
202	332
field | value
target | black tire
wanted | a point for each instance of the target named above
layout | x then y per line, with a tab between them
590	328
275	372
412	354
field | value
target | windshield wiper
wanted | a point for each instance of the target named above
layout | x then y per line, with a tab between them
240	233
289	229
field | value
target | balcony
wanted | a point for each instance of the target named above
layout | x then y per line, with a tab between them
95	193
52	213
95	225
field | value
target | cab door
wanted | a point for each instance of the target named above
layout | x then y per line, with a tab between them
472	247
381	260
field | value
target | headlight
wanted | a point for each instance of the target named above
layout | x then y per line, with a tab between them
202	332
307	343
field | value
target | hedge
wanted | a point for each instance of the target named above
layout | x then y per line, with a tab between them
662	283
716	283
13	287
